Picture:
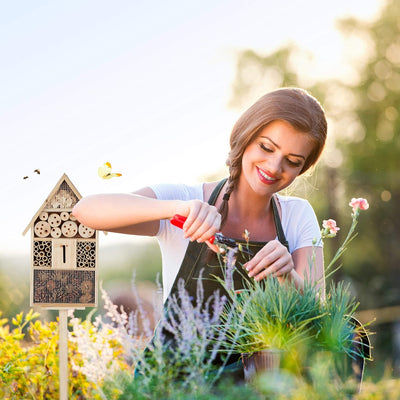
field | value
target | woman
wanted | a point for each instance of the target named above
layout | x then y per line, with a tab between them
277	139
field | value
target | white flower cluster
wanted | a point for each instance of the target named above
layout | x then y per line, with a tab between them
96	341
93	342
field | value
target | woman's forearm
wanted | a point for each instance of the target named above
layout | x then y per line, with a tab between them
114	211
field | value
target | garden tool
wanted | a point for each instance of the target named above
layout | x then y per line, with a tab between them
218	238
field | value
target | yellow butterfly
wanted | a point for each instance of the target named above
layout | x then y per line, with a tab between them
105	171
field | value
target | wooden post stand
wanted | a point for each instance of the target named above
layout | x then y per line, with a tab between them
63	353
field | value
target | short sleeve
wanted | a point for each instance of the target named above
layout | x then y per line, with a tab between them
299	223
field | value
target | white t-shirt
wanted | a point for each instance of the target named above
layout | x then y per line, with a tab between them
299	223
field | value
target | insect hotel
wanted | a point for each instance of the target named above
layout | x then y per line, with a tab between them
64	253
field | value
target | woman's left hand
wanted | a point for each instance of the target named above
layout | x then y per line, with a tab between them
273	258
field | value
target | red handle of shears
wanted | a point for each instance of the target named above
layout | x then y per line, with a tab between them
179	220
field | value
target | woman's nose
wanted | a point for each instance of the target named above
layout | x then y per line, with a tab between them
275	164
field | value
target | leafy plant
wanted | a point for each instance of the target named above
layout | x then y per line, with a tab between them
335	329
274	315
269	315
29	361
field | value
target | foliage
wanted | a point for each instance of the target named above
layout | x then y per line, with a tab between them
268	315
29	369
271	315
226	390
256	74
335	330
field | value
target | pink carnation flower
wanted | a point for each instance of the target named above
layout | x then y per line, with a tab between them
359	204
330	227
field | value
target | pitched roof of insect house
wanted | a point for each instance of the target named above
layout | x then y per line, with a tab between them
63	196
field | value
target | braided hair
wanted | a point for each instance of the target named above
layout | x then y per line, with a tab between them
292	105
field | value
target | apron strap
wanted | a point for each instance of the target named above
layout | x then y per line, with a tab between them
215	193
278	224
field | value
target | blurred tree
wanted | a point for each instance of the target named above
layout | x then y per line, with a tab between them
370	147
257	74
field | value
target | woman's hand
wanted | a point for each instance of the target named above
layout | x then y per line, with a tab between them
273	258
203	221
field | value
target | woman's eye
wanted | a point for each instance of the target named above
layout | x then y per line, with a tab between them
294	163
265	148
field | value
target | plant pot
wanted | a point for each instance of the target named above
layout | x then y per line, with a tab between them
260	361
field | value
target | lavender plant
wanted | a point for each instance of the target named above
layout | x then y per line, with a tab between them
186	345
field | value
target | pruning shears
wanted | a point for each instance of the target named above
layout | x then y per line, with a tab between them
218	238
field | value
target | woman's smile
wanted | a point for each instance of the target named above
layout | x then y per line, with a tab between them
266	177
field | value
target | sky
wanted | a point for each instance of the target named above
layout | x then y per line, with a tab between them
144	85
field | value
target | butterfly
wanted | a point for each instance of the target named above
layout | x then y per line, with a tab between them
105	171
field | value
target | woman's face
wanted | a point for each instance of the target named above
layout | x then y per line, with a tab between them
275	158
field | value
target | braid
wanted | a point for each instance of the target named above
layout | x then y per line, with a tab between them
230	186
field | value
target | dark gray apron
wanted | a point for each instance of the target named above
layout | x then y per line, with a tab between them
201	262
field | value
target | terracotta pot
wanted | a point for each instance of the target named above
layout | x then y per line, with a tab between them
259	361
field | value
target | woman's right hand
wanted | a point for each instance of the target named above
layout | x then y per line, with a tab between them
202	220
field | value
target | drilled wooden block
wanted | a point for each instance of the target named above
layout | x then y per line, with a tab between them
66	287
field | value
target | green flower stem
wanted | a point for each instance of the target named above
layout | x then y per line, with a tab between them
350	236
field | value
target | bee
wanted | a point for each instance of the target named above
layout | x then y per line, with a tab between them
37	171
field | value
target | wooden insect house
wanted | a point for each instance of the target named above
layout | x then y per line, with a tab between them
64	253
